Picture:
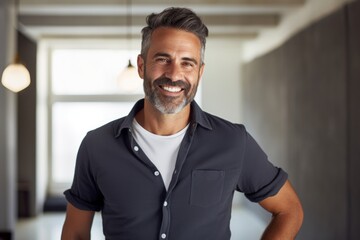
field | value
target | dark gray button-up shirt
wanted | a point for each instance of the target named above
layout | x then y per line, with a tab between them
216	157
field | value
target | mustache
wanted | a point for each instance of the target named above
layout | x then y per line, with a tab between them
167	81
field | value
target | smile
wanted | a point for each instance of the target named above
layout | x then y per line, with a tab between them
172	89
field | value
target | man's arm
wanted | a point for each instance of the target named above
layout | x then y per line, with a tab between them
77	224
287	214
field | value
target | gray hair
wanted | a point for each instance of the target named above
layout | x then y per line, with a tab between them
180	18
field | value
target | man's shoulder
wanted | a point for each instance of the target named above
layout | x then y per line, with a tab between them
219	123
222	133
109	129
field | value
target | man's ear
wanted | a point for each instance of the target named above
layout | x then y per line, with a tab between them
141	66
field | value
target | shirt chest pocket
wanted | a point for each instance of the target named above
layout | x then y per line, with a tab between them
206	187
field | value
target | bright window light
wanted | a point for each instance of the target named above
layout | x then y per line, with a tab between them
71	122
89	71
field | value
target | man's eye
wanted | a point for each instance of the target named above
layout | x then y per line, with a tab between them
162	60
188	64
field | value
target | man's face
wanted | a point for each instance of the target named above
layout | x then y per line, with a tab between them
171	70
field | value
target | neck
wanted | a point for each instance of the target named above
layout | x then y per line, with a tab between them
162	124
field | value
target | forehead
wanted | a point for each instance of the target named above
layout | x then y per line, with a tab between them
174	40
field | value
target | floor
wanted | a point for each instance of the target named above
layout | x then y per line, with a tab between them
244	225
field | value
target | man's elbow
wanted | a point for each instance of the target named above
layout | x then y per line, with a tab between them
294	216
298	213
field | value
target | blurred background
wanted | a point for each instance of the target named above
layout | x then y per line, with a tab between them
287	69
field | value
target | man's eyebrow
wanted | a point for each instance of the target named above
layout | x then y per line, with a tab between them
163	54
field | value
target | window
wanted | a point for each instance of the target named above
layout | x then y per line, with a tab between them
83	94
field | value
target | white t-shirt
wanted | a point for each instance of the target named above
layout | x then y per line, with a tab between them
161	150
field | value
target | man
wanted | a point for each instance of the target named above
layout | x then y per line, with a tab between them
169	170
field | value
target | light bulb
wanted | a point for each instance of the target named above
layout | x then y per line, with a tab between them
129	80
15	77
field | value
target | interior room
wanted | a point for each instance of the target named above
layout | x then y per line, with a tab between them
288	70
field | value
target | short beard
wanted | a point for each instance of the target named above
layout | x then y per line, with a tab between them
166	109
167	105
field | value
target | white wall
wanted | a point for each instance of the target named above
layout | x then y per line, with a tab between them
221	79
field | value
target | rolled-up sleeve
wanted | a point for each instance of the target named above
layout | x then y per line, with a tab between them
259	178
84	193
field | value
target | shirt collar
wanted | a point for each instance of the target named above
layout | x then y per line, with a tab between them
197	117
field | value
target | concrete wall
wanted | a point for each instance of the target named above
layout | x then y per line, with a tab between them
7	126
354	118
27	176
300	104
291	23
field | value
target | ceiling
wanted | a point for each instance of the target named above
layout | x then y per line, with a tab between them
243	19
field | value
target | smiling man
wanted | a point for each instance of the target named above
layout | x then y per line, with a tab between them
169	170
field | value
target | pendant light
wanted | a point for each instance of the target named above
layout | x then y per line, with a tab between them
15	76
129	80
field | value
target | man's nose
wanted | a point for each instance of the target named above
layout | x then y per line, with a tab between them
174	72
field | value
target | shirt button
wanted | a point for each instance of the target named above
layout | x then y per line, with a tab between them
163	236
175	171
156	173
136	148
165	203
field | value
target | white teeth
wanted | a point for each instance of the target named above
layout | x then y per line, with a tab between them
172	89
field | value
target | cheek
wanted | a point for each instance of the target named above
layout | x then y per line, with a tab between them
194	79
154	71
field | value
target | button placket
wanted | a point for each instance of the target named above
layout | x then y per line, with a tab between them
183	151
